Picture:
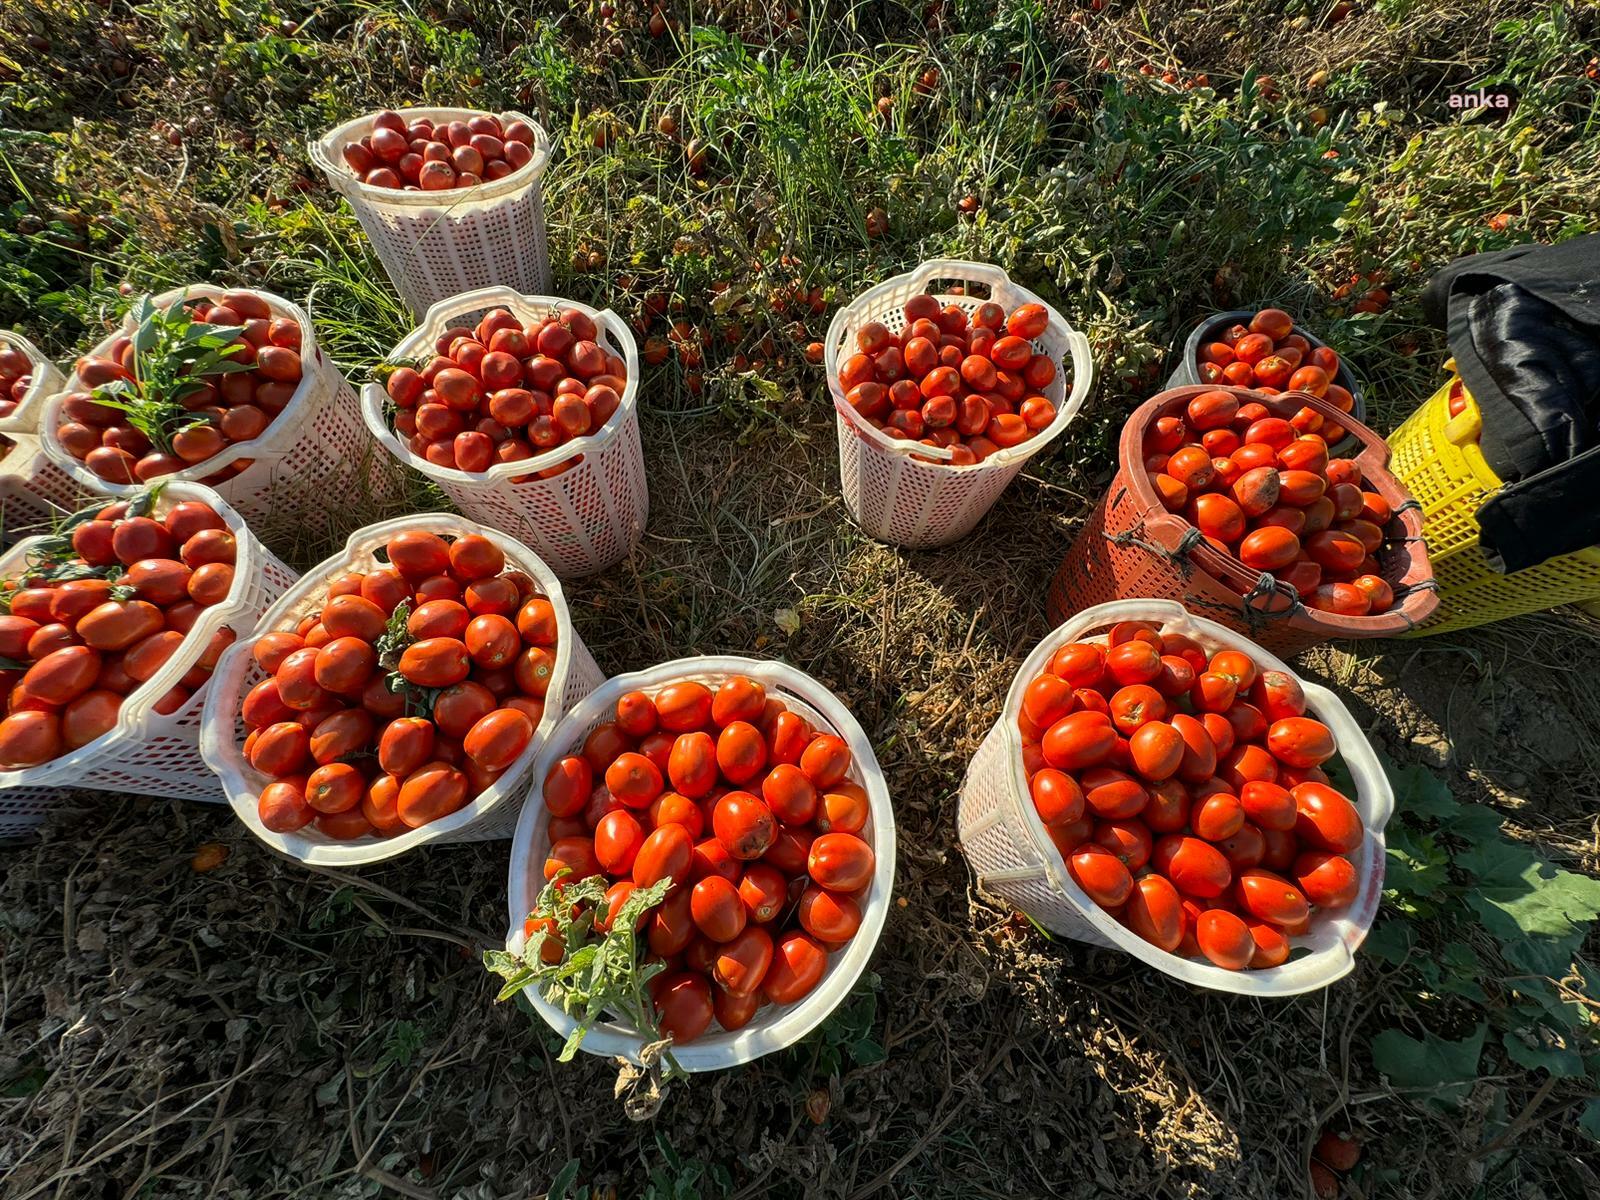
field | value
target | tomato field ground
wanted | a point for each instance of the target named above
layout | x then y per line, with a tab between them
172	1025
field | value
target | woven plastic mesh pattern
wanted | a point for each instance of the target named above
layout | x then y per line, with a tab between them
919	504
488	235
47	381
33	490
1015	861
583	520
1005	859
589	517
775	1026
1448	483
437	253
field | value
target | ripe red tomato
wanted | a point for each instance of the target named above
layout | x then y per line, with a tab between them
840	862
1328	880
1270	897
1224	939
1154	912
1101	874
1196	867
1325	819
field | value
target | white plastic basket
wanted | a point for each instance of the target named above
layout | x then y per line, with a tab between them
583	520
1015	860
314	451
493	813
33	490
893	496
46	382
436	244
147	753
774	1026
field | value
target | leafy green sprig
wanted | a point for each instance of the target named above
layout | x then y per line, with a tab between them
597	974
172	353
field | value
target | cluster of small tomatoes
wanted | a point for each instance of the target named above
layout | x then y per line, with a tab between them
1258	488
16	377
971	384
408	693
1185	793
237	406
504	391
96	625
1267	355
749	811
420	155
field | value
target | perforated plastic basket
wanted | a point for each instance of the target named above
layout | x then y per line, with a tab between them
437	244
315	450
1016	862
33	490
774	1026
491	814
1439	458
147	753
46	382
583	520
893	496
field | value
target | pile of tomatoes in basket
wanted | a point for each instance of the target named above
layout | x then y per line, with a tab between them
97	614
1259	488
419	155
750	812
971	384
408	693
16	377
1185	792
503	391
1267	355
208	414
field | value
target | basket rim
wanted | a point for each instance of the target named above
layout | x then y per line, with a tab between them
137	705
327	153
434	322
292	417
845	320
1372	787
792	1021
1228	569
220	748
47	380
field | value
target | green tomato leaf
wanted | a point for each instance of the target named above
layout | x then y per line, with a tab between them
1540	916
1443	1069
1589	1120
1417	864
1537	1048
1419	792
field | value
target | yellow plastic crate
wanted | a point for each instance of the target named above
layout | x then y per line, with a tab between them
1438	458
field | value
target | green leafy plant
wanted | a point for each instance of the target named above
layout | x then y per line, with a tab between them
1489	935
848	1032
598	973
171	353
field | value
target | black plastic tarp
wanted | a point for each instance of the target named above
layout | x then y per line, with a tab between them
1524	327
